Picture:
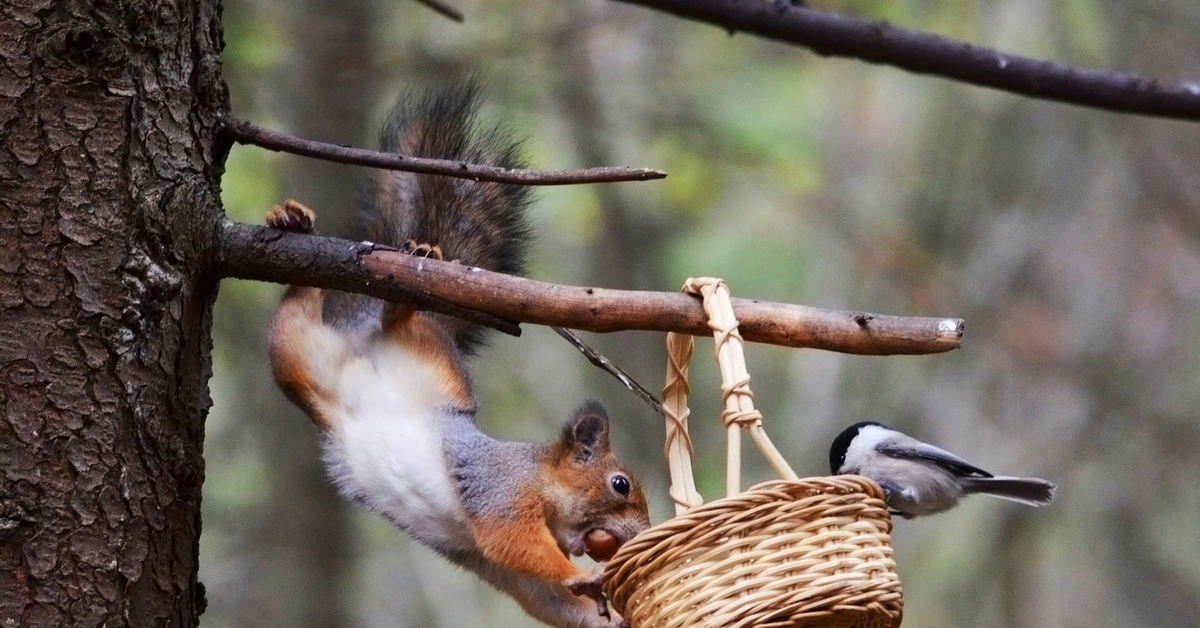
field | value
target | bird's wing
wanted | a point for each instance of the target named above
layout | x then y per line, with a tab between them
916	450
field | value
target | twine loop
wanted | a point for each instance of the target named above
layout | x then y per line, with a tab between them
739	418
678	447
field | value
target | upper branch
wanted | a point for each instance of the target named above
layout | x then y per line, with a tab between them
879	42
249	133
445	9
254	252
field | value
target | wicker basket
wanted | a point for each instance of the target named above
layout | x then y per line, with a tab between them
792	552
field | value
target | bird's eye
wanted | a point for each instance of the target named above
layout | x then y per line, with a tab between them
620	484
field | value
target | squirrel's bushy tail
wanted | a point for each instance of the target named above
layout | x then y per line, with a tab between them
476	223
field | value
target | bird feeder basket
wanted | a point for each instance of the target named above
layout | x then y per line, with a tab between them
813	552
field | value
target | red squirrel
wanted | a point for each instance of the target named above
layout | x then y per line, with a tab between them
388	388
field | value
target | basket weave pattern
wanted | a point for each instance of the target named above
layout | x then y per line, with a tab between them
812	552
784	553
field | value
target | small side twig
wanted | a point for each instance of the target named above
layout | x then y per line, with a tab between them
444	9
245	132
598	359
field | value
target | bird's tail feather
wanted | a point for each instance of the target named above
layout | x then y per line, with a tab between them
1029	491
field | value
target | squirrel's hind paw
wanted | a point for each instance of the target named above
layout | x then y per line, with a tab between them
421	249
291	216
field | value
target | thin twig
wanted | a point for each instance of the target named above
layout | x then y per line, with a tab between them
878	42
444	9
256	252
249	133
598	359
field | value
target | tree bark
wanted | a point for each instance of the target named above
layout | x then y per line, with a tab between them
108	209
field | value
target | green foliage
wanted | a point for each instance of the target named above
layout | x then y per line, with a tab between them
255	45
250	185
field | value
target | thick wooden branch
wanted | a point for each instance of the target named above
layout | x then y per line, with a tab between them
252	252
878	42
245	132
265	254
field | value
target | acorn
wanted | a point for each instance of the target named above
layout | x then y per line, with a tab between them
600	544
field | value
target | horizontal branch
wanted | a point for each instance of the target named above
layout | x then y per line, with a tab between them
249	133
255	252
250	252
878	42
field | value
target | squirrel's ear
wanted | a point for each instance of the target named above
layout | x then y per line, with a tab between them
586	435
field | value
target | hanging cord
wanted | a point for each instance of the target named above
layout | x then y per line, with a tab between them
598	359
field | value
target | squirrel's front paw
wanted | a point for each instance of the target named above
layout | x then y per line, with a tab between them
291	216
611	619
587	584
608	621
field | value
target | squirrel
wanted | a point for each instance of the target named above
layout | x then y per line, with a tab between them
387	387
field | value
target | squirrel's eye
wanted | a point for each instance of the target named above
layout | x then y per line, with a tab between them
620	484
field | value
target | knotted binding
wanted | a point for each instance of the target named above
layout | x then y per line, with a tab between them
813	552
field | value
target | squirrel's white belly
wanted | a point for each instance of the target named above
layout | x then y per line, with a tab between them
386	449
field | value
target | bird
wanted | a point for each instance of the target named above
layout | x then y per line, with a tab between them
919	479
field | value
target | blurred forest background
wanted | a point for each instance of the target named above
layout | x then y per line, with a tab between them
1068	239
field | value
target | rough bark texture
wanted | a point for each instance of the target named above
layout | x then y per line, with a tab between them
107	210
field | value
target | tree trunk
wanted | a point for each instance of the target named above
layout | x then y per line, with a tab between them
109	202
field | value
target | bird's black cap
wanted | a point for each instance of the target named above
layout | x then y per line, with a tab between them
837	451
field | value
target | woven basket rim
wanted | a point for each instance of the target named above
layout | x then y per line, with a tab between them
845	484
848	510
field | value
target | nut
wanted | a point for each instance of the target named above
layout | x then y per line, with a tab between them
600	544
